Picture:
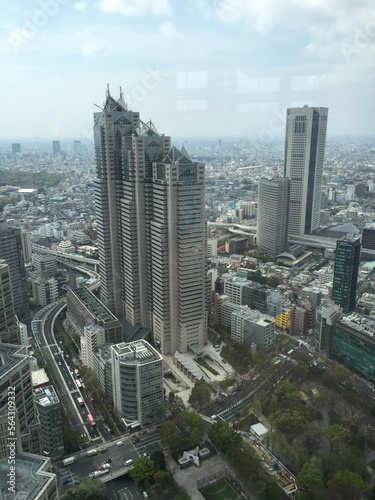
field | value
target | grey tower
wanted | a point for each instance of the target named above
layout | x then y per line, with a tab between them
151	228
273	209
305	139
56	147
11	252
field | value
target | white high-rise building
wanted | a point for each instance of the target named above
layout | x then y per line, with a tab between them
151	231
137	381
273	208
305	139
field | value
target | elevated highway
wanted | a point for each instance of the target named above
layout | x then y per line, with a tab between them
67	257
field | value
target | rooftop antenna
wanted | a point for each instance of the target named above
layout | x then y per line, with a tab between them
107	94
121	94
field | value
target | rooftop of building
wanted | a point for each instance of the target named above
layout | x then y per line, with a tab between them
92	328
10	356
359	324
46	396
93	304
32	477
254	316
39	377
137	352
237	280
103	353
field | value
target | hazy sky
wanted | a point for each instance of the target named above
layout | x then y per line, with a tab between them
212	68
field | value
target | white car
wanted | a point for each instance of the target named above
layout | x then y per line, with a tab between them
119	443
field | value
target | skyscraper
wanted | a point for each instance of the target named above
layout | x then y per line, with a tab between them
273	207
16	148
151	229
56	148
306	129
345	272
11	252
77	147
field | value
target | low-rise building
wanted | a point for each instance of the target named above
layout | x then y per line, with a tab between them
249	327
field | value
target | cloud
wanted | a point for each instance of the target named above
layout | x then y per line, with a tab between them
168	29
94	48
137	8
264	16
81	5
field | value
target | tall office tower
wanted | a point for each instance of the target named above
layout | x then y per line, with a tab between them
368	236
305	139
15	372
16	148
345	272
77	147
150	229
273	210
11	252
56	148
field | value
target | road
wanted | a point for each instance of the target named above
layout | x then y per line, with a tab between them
268	377
148	443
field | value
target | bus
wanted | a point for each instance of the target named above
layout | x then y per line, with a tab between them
79	384
91	420
80	401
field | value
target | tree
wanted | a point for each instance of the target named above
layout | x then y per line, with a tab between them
72	440
310	478
143	468
88	489
223	436
170	436
337	435
313	438
257	405
347	485
191	427
288	421
339	374
158	457
163	481
200	395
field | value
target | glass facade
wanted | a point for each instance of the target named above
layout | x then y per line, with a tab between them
354	350
346	273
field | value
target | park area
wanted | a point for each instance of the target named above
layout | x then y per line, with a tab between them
221	490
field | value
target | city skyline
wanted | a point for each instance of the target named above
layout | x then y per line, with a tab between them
247	62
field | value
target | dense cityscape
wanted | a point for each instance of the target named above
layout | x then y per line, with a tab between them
161	304
187	252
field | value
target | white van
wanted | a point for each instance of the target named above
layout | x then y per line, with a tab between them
128	462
